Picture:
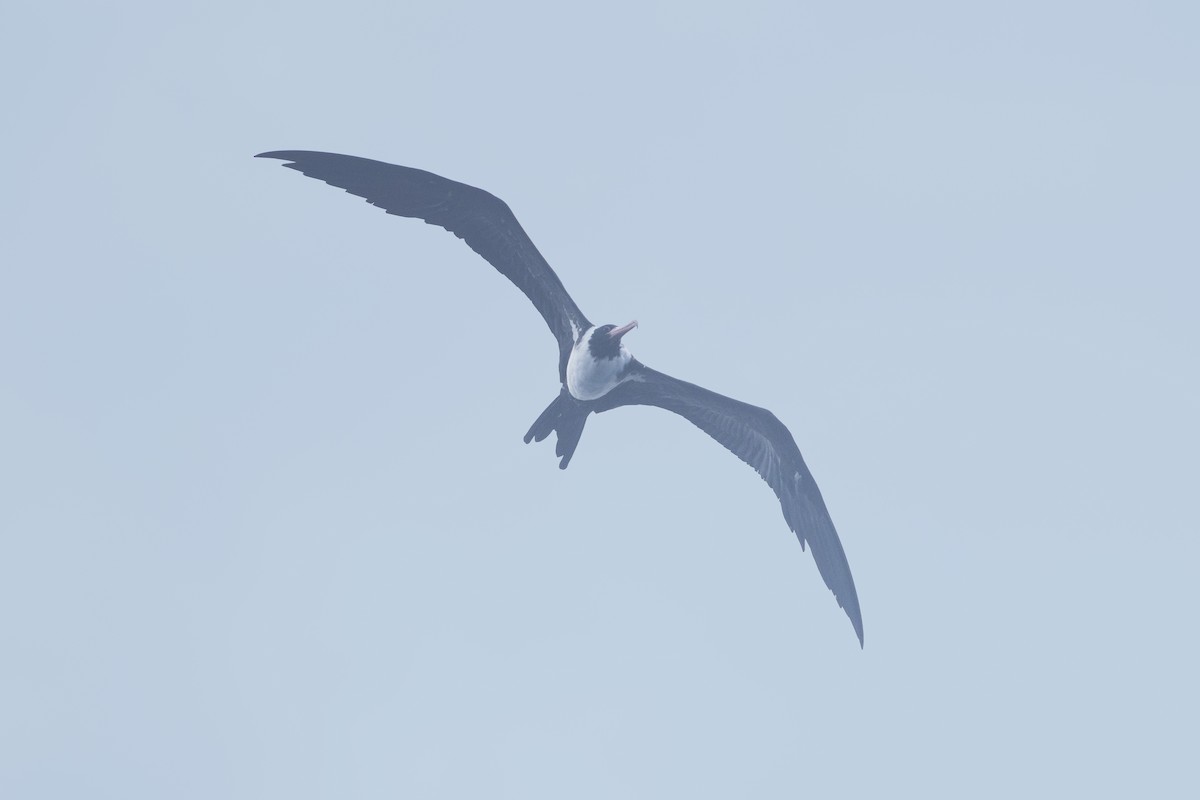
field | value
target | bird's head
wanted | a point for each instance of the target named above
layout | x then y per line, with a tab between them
605	341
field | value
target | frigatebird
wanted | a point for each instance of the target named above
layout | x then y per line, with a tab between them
595	369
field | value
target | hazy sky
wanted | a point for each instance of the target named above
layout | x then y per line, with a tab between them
268	528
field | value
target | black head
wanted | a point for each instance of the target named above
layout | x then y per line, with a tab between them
605	341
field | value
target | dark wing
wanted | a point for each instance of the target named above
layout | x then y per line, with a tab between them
479	218
757	437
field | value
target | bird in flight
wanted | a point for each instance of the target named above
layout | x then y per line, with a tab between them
595	369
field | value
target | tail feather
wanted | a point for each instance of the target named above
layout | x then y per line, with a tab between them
566	415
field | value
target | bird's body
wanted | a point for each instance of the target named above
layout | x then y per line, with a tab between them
596	370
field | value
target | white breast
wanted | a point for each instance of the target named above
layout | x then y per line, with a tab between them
589	378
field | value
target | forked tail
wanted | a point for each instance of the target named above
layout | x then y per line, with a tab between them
566	415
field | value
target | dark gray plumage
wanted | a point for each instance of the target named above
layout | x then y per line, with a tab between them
757	437
487	225
479	218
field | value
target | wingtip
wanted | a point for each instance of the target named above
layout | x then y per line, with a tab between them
858	629
283	155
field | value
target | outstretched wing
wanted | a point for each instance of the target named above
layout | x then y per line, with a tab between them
479	218
757	437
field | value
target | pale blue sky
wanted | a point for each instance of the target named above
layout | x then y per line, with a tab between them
268	526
